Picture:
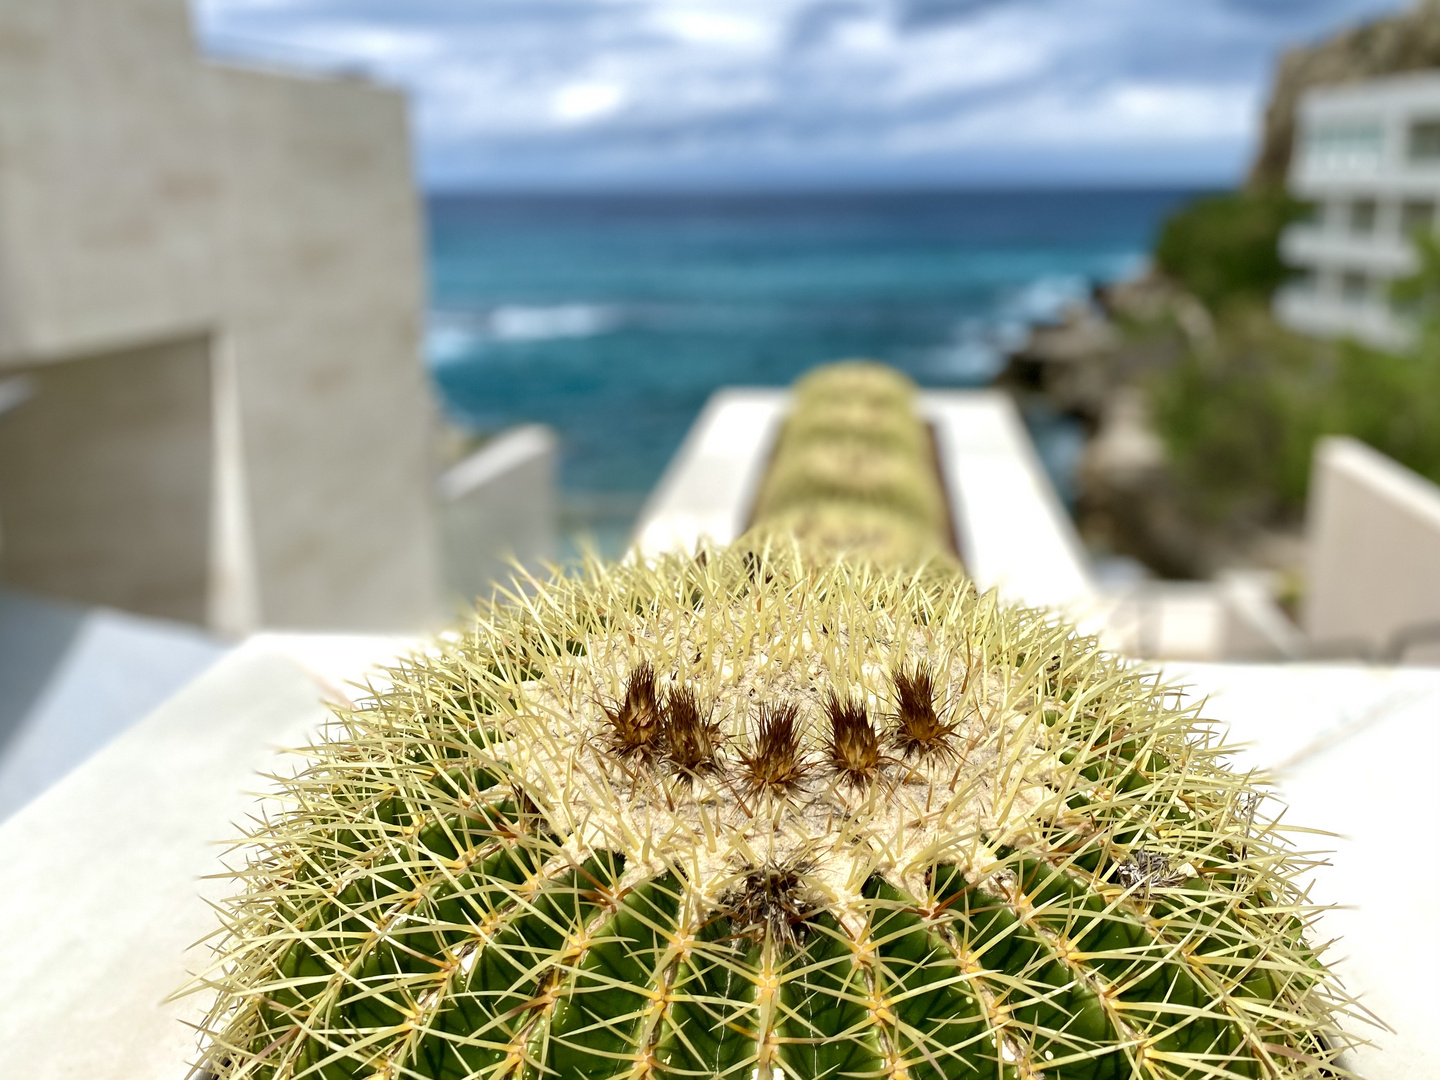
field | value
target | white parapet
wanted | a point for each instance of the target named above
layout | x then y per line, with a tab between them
107	873
498	505
1374	551
1012	531
710	484
1334	739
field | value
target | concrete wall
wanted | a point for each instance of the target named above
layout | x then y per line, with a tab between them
1374	573
1013	532
320	246
496	505
710	484
147	195
107	184
105	481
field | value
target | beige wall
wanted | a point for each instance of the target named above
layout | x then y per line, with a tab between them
498	505
1374	538
323	297
105	481
107	185
146	195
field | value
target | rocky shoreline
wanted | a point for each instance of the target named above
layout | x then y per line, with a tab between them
1096	364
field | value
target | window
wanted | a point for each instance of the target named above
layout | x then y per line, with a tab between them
1425	140
1417	215
1344	145
1362	216
1354	287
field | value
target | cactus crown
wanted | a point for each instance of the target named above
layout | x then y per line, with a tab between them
854	471
747	815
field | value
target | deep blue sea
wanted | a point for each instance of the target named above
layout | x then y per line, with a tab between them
613	318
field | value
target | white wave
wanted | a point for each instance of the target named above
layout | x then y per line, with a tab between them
449	340
970	355
978	346
452	336
1045	299
516	322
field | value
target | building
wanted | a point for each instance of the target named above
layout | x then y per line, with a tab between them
1368	161
211	308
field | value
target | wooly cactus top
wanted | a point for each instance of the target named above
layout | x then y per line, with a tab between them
854	470
749	815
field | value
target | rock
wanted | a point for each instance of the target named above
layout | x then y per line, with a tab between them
1126	450
1068	363
1406	42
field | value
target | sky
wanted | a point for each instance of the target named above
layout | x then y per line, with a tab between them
645	94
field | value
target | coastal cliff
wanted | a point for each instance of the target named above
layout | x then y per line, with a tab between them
1409	41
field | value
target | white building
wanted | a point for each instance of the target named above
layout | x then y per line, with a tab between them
1367	157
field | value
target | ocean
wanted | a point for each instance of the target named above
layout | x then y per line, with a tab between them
613	318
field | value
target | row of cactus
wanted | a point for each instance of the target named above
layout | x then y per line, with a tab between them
753	813
854	469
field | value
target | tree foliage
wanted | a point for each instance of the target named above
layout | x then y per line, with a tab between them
1240	421
1225	248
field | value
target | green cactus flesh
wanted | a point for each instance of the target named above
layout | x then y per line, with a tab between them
749	816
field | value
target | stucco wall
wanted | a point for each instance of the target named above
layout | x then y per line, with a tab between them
107	184
148	195
1374	535
322	293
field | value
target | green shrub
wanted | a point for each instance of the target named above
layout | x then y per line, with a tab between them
1226	247
1240	423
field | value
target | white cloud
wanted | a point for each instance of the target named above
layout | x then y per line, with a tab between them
578	103
513	88
698	26
1196	112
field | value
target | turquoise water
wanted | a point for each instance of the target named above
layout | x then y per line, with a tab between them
614	318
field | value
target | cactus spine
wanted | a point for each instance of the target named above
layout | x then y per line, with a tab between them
753	815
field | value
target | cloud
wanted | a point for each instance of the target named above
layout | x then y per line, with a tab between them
518	92
919	13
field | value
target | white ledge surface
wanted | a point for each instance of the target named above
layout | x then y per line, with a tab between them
711	483
1013	533
105	894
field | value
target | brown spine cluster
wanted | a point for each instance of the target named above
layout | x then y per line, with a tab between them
635	724
853	746
919	731
775	764
692	736
769	900
680	730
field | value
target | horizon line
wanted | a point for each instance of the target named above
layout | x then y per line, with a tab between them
818	189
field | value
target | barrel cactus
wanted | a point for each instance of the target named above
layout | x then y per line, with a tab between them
757	813
808	807
854	470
